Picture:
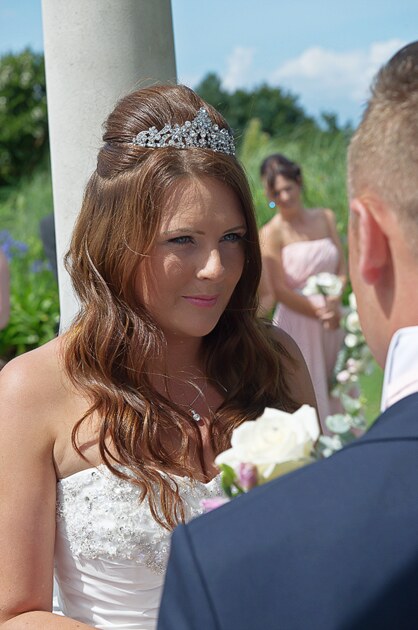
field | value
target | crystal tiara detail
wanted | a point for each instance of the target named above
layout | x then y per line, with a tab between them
201	132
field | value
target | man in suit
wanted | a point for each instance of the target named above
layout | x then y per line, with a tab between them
334	546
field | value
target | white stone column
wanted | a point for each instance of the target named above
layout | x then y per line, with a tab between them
96	51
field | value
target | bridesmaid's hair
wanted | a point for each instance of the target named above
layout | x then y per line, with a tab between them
110	347
278	164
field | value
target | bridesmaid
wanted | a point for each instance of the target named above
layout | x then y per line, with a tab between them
297	243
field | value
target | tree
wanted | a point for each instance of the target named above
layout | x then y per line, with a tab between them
211	91
278	111
23	114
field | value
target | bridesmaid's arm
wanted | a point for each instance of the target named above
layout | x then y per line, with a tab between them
273	287
333	232
273	268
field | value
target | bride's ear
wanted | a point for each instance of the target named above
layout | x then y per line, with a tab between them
372	246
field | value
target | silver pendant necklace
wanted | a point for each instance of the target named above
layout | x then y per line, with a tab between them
196	416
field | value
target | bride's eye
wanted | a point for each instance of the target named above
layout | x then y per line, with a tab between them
232	237
181	240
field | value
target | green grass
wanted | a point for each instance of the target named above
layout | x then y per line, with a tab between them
23	206
371	391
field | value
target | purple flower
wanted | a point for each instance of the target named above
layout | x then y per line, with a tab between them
247	476
40	265
11	247
211	504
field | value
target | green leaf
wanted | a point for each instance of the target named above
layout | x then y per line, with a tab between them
228	477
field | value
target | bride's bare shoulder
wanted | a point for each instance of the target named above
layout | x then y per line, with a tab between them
36	363
33	381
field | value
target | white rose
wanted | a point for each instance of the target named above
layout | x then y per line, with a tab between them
329	283
352	322
343	376
352	302
324	284
275	443
351	340
338	423
311	287
354	365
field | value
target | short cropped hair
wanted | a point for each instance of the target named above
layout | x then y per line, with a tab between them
383	153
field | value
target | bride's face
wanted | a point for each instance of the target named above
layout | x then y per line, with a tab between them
197	260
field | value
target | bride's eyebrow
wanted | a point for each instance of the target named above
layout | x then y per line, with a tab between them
190	230
236	228
183	230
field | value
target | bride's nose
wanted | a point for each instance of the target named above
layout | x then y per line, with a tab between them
212	267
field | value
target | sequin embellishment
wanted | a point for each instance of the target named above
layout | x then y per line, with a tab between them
101	517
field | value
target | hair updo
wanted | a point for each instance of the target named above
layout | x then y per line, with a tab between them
277	164
113	341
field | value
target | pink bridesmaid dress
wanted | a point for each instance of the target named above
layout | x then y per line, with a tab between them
318	345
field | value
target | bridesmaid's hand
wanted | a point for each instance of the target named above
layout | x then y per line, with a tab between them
330	314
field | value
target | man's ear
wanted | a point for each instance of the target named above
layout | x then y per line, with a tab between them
373	249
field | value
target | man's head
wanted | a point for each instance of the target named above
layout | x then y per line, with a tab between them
383	190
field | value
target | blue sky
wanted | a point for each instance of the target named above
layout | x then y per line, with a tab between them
325	52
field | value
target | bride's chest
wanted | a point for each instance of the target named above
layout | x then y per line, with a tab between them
100	516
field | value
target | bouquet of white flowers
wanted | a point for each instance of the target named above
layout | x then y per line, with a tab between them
274	444
327	284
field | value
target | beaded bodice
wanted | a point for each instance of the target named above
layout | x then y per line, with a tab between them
103	517
110	553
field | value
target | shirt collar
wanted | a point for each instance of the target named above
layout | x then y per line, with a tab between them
401	368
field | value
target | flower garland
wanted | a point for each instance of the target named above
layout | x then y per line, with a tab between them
353	360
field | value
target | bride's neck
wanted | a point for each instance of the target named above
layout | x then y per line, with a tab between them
181	359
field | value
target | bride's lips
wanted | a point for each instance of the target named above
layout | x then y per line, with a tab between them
204	301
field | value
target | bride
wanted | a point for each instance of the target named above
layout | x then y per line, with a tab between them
109	432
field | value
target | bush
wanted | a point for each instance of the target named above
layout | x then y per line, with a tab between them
34	312
277	110
23	114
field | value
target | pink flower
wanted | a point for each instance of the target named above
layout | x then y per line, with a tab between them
247	476
211	504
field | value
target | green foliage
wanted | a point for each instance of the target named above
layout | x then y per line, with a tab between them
23	114
210	89
34	303
278	111
23	205
34	291
371	389
229	481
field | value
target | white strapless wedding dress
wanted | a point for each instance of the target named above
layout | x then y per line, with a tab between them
110	554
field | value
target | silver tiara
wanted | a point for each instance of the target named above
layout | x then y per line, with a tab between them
200	132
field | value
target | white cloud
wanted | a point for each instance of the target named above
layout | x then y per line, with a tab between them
335	73
239	66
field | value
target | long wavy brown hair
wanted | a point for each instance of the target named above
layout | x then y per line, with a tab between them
113	340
